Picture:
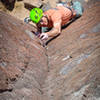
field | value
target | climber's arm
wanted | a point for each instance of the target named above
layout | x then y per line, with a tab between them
53	32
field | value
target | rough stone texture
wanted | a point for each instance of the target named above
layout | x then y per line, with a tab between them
73	60
23	63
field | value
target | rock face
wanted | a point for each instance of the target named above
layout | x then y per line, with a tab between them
68	69
74	59
23	63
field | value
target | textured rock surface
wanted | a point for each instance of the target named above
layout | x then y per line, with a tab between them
23	63
73	60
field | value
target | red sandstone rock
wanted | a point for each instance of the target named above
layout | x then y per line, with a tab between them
73	60
69	79
23	63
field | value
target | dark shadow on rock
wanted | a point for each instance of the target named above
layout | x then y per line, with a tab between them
51	39
9	4
29	6
43	6
73	20
19	0
6	90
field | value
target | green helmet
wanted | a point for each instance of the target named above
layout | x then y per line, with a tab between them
36	14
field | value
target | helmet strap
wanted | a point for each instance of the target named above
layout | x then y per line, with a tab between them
46	18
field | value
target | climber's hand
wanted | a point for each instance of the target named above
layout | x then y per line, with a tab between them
43	36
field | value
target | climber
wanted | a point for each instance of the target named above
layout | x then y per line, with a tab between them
51	21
